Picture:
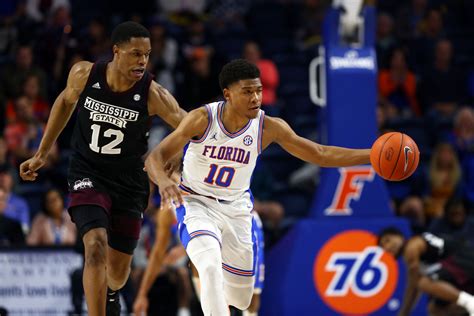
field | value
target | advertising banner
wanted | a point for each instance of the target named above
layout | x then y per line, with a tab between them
37	282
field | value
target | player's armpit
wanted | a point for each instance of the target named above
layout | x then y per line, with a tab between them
163	104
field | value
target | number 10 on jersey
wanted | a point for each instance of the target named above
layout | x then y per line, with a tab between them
224	175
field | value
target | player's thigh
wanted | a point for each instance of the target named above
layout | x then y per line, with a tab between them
239	252
126	217
194	221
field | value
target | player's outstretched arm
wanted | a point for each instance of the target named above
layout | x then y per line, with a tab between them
163	104
165	220
278	131
193	125
61	112
412	253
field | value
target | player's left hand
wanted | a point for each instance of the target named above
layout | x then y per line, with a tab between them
28	169
170	192
173	165
140	307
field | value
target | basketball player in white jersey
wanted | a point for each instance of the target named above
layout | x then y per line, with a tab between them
225	139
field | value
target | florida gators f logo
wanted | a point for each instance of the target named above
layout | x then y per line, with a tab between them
351	183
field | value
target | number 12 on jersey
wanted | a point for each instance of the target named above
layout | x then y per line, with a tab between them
224	175
111	147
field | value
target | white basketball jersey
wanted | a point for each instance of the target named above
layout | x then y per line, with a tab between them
220	163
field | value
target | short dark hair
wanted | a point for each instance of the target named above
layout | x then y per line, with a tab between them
454	201
236	70
394	231
126	30
391	230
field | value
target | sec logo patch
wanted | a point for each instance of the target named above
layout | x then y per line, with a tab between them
354	276
248	140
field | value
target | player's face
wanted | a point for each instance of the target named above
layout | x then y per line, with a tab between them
245	96
392	244
132	57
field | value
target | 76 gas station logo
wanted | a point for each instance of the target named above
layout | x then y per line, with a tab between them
354	276
362	273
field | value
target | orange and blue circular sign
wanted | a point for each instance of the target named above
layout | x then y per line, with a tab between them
354	276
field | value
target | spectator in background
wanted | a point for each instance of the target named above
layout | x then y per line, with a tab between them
444	179
310	22
398	85
456	220
442	86
16	207
4	160
53	227
432	30
386	41
54	38
11	233
268	75
163	57
462	139
196	36
39	10
200	80
31	90
409	19
412	208
177	6
15	74
95	40
23	136
9	37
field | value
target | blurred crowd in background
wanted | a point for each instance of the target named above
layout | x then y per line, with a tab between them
425	56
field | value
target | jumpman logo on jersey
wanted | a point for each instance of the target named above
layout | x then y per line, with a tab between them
214	136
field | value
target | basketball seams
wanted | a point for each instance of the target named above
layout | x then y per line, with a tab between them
416	155
381	153
413	160
398	158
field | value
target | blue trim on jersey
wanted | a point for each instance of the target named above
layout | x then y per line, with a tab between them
182	229
251	195
183	233
220	110
259	256
208	128
204	232
260	132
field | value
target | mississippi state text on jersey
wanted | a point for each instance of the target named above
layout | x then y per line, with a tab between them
111	127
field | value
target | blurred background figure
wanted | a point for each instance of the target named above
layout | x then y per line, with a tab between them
53	226
11	233
16	207
444	179
457	221
268	75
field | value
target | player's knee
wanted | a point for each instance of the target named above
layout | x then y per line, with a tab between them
209	268
95	245
254	304
240	297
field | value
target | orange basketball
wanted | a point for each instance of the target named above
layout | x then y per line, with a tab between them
394	156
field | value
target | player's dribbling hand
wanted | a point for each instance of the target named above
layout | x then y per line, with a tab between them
140	307
29	167
170	192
